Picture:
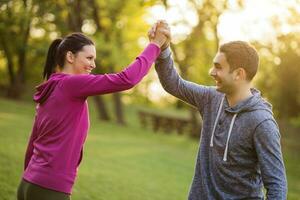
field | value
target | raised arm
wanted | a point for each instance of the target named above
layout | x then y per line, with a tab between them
88	85
192	93
189	92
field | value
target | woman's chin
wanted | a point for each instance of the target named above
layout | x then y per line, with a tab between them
86	72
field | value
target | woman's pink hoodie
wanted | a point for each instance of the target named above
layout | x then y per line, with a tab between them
61	122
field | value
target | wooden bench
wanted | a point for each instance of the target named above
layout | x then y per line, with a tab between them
168	123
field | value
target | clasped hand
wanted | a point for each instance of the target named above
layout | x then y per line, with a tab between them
160	34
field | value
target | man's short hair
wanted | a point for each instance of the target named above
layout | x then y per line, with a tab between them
241	54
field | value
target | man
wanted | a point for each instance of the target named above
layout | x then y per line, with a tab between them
239	151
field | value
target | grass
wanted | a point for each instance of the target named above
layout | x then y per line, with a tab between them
125	163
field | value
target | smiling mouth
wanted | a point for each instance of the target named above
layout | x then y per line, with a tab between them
218	83
88	70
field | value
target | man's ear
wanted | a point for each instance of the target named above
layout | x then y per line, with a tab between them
240	74
70	57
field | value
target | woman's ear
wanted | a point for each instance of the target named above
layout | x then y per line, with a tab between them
70	57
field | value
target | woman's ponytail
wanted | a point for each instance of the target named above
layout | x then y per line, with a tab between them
51	60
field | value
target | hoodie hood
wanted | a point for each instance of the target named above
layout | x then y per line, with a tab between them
44	90
255	102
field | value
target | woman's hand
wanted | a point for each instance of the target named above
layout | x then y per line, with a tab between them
160	34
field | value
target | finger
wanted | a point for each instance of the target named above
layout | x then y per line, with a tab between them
153	29
164	25
149	34
162	21
166	33
159	21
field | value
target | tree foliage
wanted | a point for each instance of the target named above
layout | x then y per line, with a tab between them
119	30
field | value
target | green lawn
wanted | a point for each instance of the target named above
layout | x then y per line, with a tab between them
125	163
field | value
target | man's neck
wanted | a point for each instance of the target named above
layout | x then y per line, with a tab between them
239	95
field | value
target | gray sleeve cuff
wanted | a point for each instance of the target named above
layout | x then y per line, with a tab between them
165	53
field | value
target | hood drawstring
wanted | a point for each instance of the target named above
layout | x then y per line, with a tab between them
229	132
217	119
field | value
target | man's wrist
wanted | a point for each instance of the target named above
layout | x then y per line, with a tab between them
165	53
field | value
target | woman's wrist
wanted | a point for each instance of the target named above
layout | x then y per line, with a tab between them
157	43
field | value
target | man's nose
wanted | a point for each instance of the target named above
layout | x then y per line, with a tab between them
212	71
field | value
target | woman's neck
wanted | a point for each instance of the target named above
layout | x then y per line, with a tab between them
67	70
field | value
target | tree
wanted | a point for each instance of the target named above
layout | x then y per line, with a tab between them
113	30
16	18
279	73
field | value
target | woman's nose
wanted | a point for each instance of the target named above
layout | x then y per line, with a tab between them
93	64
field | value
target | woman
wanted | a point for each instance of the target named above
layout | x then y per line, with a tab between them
61	122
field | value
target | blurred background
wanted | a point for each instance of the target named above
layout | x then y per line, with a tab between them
143	142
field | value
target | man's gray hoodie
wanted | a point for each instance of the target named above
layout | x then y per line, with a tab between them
239	150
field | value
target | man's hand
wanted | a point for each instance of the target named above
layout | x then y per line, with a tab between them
159	31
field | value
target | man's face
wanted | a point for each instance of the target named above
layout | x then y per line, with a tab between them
220	71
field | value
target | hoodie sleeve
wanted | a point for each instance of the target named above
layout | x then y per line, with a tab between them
192	93
268	149
29	150
89	85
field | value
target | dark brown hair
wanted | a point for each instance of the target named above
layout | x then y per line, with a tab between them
241	54
59	48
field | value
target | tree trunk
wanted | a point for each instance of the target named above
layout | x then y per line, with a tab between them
101	108
22	54
119	108
117	96
74	15
75	24
96	15
99	101
15	90
9	60
17	80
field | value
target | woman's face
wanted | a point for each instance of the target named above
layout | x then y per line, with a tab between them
83	62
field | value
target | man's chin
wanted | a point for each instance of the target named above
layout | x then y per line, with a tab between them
220	89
